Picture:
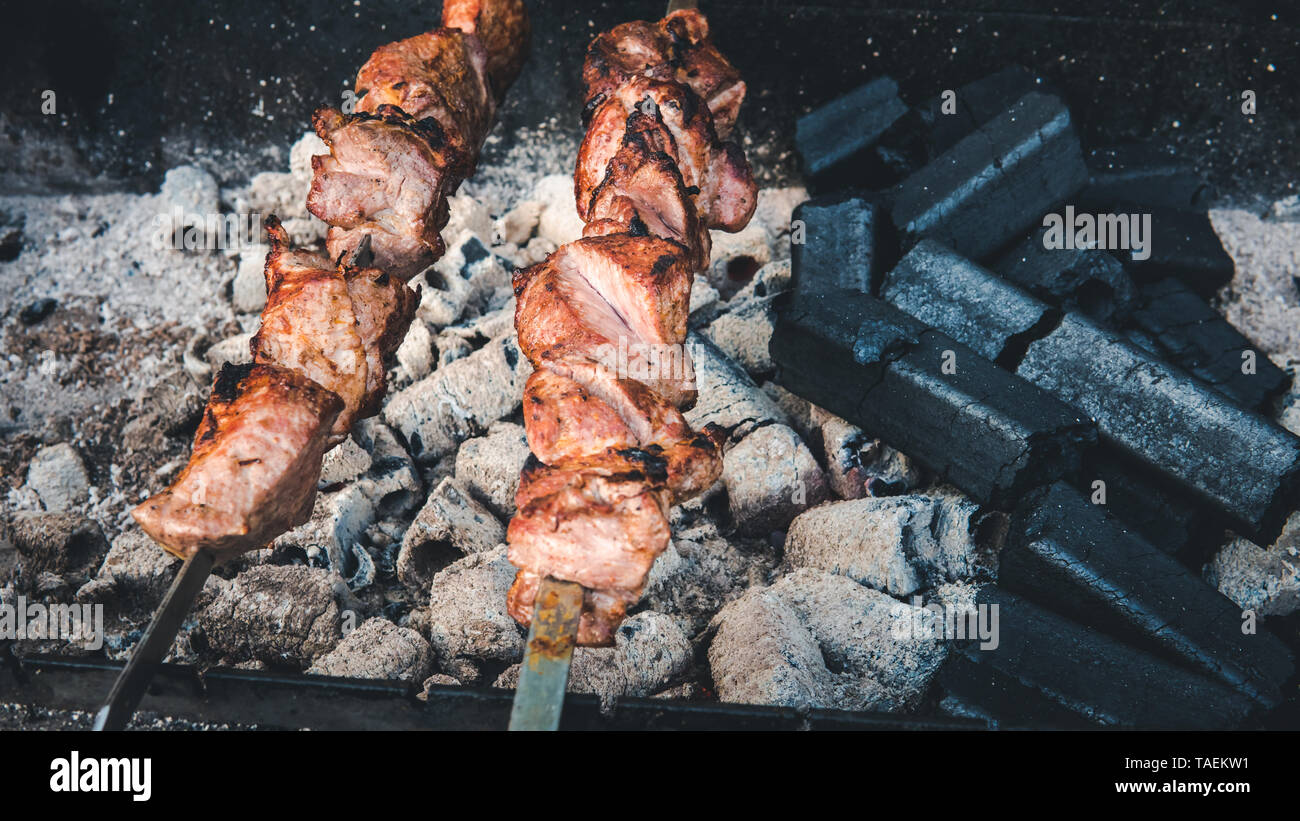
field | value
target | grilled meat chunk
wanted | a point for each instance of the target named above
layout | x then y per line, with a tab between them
427	106
503	28
725	193
255	465
643	192
677	49
598	422
328	327
336	327
603	320
308	326
384	307
595	527
616	298
442	75
563	421
318	367
383	179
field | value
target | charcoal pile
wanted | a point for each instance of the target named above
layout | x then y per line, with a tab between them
1043	326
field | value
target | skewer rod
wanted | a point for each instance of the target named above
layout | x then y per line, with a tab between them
544	674
148	654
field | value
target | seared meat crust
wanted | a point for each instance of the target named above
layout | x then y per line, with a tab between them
254	468
724	191
442	75
503	28
677	49
386	178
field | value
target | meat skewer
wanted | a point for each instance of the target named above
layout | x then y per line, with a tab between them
603	321
330	325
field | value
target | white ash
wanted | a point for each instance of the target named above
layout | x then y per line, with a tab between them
58	476
818	640
771	477
341	523
417	355
346	462
248	291
378	649
897	545
736	257
650	654
171	407
468	277
558	220
328	537
727	395
774	212
537	250
1265	580
489	466
451	524
461	340
503	179
798	413
705	302
744	333
770	280
694	578
190	189
1261	301
469	627
233	350
460	400
959	599
134	576
122	306
278	615
859	466
518	224
1288	409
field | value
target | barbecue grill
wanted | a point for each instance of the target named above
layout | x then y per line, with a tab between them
1000	396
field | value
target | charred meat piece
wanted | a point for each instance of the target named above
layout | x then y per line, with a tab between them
332	326
384	307
387	178
442	75
308	326
718	173
643	191
562	420
602	610
502	27
615	298
571	424
427	105
600	529
678	49
256	461
603	320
